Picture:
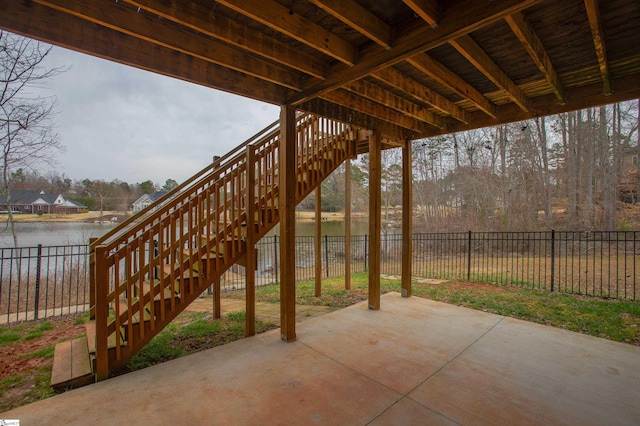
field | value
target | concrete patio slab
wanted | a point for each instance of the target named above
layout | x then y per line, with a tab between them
415	361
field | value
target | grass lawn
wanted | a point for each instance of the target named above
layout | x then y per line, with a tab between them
26	350
607	318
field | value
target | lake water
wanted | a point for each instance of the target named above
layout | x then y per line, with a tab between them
69	233
52	233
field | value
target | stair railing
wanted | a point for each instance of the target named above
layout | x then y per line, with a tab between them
162	259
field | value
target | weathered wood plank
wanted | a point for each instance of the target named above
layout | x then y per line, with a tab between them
420	92
593	13
199	18
375	210
373	109
407	219
119	18
358	17
71	365
318	242
426	9
56	27
462	18
286	203
347	224
627	88
479	58
250	256
446	77
281	19
532	44
377	94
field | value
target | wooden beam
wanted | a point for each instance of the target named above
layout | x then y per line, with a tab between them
347	224
286	210
426	9
201	19
407	219
281	19
124	19
591	95
359	18
446	77
375	210
479	58
593	13
461	18
377	94
55	27
532	44
373	109
420	92
251	255
355	118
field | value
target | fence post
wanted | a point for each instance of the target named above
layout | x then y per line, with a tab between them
92	279
326	253
469	258
366	245
36	305
275	255
553	257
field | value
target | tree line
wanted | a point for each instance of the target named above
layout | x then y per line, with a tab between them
568	171
97	195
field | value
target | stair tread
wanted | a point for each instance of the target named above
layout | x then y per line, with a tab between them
214	248
71	364
90	330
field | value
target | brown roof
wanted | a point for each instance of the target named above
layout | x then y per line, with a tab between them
411	68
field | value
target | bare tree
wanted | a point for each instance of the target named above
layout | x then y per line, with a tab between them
26	127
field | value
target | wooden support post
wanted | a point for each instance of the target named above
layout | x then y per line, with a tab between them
250	256
318	240
92	279
407	219
347	225
216	299
375	210
102	314
286	206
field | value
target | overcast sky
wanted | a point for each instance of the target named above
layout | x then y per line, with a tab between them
118	122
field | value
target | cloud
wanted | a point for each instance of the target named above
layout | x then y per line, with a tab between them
118	122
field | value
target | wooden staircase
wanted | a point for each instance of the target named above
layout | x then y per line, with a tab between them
150	268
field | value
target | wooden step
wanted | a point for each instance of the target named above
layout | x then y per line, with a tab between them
160	298
71	365
90	330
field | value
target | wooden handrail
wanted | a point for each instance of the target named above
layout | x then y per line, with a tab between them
264	133
180	245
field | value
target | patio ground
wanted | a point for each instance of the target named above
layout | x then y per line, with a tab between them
415	361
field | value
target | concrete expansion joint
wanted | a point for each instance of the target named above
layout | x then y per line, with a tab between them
459	354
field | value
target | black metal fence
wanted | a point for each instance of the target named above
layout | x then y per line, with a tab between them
43	281
38	282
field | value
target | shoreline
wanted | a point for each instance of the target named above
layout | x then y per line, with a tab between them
90	217
117	217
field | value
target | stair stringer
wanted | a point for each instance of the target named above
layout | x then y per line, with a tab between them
203	215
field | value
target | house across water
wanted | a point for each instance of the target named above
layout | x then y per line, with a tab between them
38	202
